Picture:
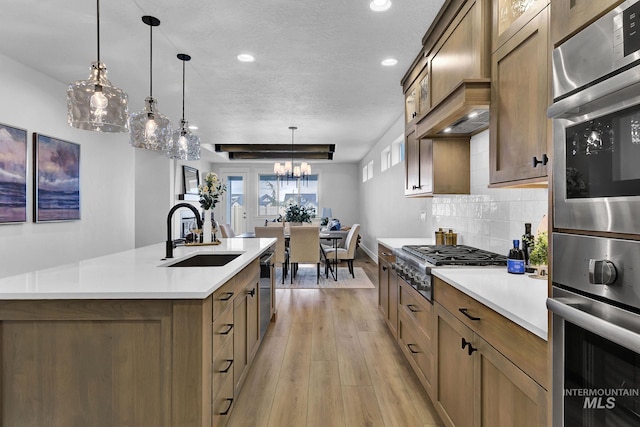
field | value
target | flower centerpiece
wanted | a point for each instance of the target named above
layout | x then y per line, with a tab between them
297	213
210	192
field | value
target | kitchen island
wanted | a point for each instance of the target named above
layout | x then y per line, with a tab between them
125	340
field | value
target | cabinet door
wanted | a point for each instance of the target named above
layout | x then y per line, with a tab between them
411	104
383	286
412	164
425	181
520	95
455	398
239	340
509	16
508	396
392	320
253	320
569	16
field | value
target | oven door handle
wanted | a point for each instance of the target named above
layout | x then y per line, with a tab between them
579	315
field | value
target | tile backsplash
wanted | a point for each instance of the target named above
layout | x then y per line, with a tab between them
488	218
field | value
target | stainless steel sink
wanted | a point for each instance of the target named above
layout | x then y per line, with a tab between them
205	260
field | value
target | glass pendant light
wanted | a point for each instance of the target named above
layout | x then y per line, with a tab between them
95	104
184	144
150	129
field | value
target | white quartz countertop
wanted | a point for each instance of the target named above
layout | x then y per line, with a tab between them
398	242
517	297
135	274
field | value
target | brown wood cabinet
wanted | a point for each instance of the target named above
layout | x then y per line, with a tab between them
489	369
570	16
246	325
388	288
509	16
477	385
436	166
520	131
415	330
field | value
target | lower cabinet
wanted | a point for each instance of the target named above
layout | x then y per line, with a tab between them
247	325
388	288
476	382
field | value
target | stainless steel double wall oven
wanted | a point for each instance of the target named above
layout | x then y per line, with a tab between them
596	237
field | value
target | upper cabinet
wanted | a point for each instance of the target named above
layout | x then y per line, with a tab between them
570	16
447	88
509	16
520	132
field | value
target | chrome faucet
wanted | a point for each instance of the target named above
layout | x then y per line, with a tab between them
169	245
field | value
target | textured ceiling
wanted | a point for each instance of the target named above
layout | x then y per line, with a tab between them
317	62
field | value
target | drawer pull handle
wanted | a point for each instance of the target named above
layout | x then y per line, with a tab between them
464	311
412	309
252	292
465	343
225	370
226	412
384	268
410	347
229	295
229	328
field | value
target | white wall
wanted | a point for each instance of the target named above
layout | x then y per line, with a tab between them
384	211
34	102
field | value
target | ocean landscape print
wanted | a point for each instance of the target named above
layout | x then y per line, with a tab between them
13	174
57	179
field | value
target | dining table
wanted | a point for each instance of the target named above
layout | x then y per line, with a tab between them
333	236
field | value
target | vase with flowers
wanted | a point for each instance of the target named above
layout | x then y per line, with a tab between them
210	192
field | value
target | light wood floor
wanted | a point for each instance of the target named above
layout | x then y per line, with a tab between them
328	361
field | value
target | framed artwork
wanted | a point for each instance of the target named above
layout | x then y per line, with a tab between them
190	180
13	174
56	179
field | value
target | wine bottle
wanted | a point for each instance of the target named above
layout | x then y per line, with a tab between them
527	243
515	259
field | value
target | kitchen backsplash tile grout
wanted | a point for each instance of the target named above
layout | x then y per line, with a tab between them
488	218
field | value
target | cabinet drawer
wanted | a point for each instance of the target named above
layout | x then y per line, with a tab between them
523	348
223	298
222	404
385	254
222	330
246	275
417	348
222	366
417	308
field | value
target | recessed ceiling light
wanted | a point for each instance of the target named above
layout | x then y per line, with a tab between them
380	5
245	57
389	62
447	130
193	127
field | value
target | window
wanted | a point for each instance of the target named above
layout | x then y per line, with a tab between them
385	159
397	151
365	173
275	195
370	169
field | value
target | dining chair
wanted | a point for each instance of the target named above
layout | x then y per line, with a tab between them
282	252
304	246
227	231
348	253
275	224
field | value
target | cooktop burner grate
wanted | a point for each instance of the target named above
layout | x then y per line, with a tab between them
455	255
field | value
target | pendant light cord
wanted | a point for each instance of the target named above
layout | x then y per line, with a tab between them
183	68
151	61
98	27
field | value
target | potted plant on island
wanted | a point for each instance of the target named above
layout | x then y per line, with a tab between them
210	192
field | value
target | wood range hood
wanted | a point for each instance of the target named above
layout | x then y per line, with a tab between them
463	112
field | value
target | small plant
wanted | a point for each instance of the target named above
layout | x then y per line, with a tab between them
538	255
297	213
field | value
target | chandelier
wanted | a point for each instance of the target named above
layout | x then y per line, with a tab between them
288	170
